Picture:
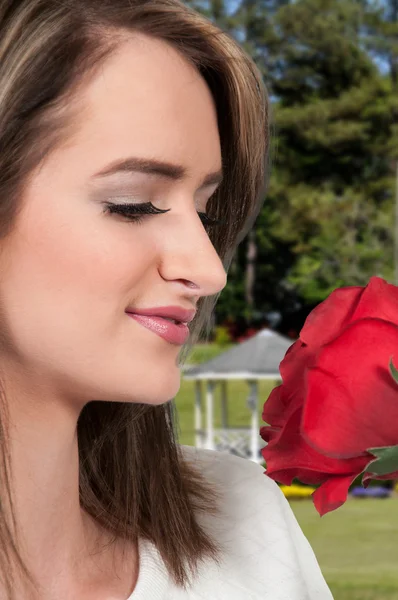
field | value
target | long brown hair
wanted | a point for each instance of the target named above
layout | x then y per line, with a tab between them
134	480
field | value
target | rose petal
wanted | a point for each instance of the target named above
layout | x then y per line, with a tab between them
352	401
332	494
282	402
283	476
277	413
291	452
286	476
295	359
368	477
270	433
311	477
331	316
379	300
274	408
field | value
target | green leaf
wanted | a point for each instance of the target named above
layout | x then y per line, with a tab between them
393	371
386	461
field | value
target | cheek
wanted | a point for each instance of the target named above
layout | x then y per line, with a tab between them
59	277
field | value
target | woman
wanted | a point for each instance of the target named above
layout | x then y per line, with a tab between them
133	143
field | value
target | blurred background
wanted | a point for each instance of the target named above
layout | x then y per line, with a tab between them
330	219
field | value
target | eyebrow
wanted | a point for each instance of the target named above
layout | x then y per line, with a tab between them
154	167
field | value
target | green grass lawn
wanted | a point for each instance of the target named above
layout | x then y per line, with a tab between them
356	546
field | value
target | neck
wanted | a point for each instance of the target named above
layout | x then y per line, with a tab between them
64	549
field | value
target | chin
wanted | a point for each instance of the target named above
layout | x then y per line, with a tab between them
151	400
153	389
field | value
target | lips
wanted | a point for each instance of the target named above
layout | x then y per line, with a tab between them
176	313
173	333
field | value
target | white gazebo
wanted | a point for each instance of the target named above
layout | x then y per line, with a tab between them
254	359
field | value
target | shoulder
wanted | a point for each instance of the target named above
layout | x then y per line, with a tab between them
264	551
236	478
228	468
248	495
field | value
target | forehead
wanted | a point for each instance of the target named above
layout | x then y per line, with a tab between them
148	100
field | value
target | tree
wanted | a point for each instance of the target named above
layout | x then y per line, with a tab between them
381	34
327	218
331	190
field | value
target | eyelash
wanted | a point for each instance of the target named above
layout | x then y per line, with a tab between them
135	213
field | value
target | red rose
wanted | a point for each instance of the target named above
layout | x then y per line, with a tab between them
338	399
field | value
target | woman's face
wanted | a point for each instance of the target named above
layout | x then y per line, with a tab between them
70	269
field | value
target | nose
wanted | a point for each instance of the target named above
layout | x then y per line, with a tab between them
189	255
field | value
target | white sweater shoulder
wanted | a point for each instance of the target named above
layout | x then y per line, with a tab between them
265	555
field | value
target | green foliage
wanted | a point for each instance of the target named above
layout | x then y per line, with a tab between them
331	68
222	336
332	189
393	370
232	300
386	462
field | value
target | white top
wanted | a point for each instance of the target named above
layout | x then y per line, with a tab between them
265	554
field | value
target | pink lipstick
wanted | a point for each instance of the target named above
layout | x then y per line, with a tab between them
169	322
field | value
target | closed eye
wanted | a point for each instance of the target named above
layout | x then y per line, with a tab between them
136	212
